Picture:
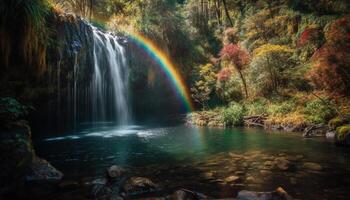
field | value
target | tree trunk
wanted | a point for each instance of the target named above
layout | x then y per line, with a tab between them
244	83
226	12
218	11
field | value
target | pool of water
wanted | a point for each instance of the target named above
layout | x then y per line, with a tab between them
203	159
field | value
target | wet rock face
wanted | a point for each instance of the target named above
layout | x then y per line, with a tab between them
43	171
20	166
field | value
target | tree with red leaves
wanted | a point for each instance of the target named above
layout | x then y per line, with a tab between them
239	58
309	35
331	70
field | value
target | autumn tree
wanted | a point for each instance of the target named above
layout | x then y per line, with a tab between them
269	67
238	58
331	63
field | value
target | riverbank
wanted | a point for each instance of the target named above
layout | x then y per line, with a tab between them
310	116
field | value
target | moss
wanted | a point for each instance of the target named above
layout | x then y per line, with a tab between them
338	121
343	132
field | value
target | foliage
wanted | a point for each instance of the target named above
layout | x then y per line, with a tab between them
228	86
205	84
269	68
236	55
310	35
331	63
320	110
30	18
233	115
342	132
257	107
339	121
281	109
224	74
11	110
238	58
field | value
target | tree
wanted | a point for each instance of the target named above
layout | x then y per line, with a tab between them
269	67
239	58
331	63
227	13
203	87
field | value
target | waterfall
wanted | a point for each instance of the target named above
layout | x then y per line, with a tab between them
98	87
109	81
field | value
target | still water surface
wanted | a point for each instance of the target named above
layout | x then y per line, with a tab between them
202	158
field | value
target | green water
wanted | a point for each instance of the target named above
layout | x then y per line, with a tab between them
199	158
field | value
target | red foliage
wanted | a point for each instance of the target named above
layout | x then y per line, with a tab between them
339	30
224	74
308	35
331	70
236	55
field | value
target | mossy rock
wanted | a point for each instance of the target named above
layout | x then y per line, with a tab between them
343	135
338	121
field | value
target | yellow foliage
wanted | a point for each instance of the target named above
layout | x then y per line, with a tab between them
271	48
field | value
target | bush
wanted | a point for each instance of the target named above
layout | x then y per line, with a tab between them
281	109
11	110
257	107
320	111
233	115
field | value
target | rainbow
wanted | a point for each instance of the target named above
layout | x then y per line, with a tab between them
167	67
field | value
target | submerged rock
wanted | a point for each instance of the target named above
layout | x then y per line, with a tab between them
278	194
231	179
282	163
312	166
115	172
139	185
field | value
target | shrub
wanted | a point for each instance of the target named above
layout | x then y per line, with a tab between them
257	107
281	109
233	115
320	111
11	110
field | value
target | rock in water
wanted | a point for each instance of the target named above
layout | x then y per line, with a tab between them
282	163
41	170
278	194
312	166
139	185
231	179
115	172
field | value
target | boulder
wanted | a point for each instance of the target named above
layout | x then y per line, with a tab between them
330	135
342	136
41	170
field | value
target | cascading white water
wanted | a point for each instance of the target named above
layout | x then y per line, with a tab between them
109	81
